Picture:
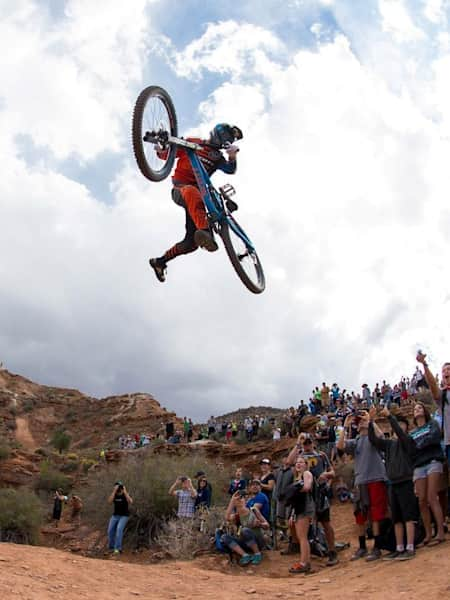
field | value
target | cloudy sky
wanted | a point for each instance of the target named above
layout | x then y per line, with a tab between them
343	185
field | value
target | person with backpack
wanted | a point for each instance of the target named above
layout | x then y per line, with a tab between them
320	467
300	497
398	457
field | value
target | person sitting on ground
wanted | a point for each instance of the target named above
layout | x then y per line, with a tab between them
186	193
398	453
250	542
370	482
237	483
258	498
186	496
300	497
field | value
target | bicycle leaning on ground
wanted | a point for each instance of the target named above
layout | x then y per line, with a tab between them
155	129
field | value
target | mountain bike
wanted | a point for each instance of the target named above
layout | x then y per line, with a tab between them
155	128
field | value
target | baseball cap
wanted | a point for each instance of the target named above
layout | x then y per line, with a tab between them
264	461
199	474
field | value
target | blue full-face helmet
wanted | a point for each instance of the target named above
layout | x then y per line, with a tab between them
223	134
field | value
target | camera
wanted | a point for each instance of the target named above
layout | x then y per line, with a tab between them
183	478
242	493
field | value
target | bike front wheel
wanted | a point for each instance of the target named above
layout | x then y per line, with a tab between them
154	118
244	259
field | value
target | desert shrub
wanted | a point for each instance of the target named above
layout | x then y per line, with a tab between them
5	451
42	452
51	479
72	456
28	405
87	463
20	516
265	432
241	438
69	467
147	479
61	440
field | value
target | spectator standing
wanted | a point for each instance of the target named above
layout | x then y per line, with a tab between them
121	500
319	465
58	500
186	497
267	479
398	455
442	399
428	469
300	498
76	504
370	481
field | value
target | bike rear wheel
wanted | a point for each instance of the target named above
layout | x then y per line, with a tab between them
154	115
245	261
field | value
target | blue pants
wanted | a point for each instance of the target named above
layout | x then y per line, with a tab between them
115	531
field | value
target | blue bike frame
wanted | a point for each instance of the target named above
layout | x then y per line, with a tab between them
212	199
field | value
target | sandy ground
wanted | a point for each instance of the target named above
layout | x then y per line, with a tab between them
23	434
38	573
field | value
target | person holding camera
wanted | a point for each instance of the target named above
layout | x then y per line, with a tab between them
250	542
121	501
186	496
370	482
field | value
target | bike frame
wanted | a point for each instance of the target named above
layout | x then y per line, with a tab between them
210	196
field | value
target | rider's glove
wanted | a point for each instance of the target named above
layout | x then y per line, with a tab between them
231	150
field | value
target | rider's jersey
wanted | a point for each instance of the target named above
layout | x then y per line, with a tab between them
211	158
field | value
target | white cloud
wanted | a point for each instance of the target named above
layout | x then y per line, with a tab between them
341	182
434	10
398	22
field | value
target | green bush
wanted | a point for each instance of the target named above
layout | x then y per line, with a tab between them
28	405
20	516
61	440
70	467
51	479
148	478
5	451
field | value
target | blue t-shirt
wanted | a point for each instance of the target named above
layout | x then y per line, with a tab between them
262	499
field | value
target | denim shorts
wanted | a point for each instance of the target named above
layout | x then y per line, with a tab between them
435	466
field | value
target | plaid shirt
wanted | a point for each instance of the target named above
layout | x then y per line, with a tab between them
186	504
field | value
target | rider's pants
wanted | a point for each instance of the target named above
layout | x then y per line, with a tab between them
194	205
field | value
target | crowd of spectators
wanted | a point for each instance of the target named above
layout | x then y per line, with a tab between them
399	490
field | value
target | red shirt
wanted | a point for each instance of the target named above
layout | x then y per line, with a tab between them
210	157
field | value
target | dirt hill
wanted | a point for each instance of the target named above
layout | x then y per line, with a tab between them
30	413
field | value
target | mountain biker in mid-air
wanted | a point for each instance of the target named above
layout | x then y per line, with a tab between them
185	191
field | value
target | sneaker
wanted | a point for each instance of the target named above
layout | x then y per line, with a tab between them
159	268
256	558
332	559
360	553
374	555
204	239
392	555
406	555
245	560
300	568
